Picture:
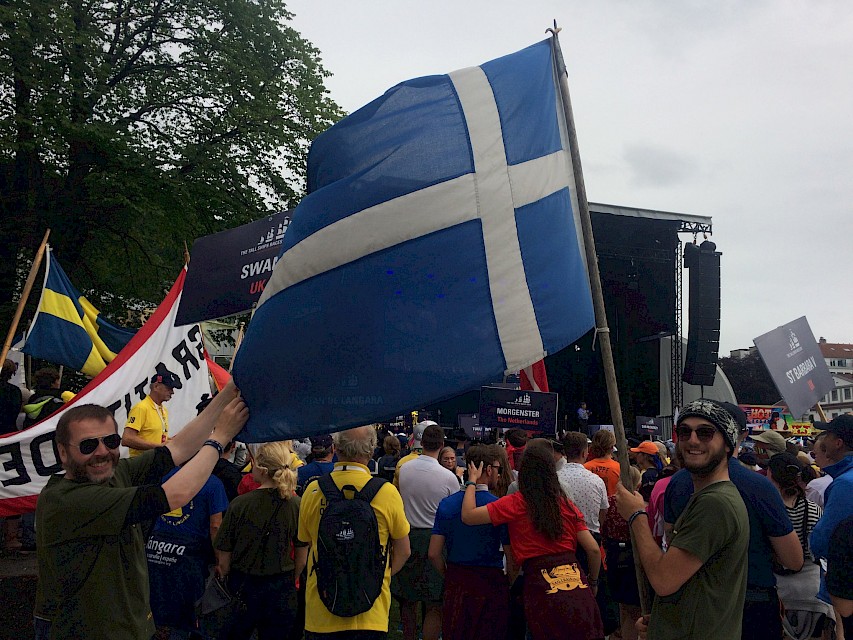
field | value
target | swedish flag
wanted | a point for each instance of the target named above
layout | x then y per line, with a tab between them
68	330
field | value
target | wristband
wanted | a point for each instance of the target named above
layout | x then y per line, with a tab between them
214	444
634	515
468	483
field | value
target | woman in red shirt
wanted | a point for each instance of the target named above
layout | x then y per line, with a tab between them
545	529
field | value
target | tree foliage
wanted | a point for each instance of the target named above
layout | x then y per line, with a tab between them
750	379
132	126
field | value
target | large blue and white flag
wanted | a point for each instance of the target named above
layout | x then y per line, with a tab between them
438	248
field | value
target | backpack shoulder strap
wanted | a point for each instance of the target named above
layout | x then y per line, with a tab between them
329	488
369	490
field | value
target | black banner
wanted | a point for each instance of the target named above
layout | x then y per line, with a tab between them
648	424
513	409
228	270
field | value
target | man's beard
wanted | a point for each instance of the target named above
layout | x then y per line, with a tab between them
81	472
706	469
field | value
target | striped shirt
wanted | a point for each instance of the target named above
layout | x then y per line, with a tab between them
797	514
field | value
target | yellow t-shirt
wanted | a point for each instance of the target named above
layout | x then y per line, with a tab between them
400	463
150	421
391	518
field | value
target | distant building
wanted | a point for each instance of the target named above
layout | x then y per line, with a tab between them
839	359
740	354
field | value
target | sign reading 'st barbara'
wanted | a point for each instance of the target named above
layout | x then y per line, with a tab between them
795	363
511	409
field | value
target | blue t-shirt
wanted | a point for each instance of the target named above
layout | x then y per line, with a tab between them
472	546
311	471
192	521
767	516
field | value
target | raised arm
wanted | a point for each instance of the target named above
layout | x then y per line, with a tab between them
187	482
187	443
471	513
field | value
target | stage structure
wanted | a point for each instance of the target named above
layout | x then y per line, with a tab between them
640	258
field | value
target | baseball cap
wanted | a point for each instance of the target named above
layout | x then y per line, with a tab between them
772	440
167	378
321	442
647	446
842	426
418	432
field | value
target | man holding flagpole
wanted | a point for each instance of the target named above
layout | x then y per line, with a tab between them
91	546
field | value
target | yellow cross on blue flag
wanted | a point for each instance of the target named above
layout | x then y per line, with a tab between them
68	329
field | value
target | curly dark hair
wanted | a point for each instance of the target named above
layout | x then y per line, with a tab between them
537	481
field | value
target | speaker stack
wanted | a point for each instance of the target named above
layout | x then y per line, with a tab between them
703	333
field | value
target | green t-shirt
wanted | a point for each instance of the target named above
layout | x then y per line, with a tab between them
709	606
259	544
93	575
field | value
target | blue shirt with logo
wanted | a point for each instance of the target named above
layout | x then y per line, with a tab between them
472	546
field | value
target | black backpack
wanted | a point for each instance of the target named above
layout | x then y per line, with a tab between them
351	563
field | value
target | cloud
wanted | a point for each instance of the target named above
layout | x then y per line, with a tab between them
655	166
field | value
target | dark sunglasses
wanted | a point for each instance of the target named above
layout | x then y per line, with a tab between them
496	466
88	445
705	434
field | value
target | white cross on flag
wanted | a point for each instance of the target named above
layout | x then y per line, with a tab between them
439	247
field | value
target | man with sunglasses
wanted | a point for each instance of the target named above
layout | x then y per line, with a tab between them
148	420
93	576
770	533
700	581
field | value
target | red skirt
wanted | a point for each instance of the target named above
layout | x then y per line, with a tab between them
476	603
558	602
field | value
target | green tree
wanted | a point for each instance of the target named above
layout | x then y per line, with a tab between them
131	126
750	379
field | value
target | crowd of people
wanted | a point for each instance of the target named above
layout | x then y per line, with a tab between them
519	537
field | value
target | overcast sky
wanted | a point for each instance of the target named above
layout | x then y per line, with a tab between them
737	110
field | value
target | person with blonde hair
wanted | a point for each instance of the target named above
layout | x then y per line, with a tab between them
447	459
355	448
254	545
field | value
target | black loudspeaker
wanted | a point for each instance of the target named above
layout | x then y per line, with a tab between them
703	333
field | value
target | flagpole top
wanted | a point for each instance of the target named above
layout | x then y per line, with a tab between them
553	30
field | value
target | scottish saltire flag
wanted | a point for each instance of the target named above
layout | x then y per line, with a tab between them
438	248
68	330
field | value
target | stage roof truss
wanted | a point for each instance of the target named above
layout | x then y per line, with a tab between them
689	223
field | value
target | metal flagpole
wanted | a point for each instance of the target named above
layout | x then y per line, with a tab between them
25	294
601	328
